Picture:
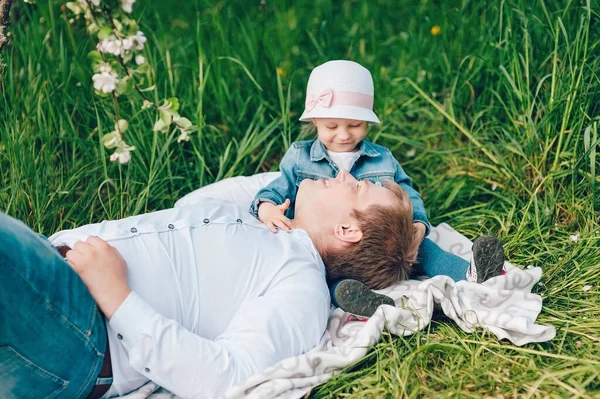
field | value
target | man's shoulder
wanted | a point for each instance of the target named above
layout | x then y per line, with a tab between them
203	212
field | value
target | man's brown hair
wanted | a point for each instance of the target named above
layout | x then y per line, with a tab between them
381	258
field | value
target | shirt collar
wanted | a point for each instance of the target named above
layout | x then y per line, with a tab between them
319	152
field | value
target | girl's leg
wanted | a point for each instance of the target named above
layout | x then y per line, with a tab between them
52	335
434	261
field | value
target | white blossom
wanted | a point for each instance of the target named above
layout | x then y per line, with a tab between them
139	59
183	136
586	288
105	82
110	45
140	40
105	67
123	156
575	237
127	43
127	5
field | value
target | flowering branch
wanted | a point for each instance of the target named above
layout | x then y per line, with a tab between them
118	64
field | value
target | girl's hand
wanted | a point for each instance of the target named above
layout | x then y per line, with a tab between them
273	215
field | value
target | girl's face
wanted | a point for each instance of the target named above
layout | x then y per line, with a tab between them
340	135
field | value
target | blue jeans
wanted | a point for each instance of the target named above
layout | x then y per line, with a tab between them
52	335
432	261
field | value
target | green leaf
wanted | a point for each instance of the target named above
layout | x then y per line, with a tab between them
92	28
118	24
160	126
172	104
111	140
133	27
125	85
104	32
184	123
144	68
121	125
126	56
165	116
95	56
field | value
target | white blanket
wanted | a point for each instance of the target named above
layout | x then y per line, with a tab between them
503	305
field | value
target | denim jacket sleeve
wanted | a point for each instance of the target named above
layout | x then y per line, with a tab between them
281	188
419	214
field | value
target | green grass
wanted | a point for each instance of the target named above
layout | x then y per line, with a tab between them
497	120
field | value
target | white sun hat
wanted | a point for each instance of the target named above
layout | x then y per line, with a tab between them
340	89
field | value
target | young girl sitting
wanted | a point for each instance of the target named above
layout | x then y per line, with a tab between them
339	103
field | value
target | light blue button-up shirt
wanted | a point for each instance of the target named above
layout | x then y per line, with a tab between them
216	297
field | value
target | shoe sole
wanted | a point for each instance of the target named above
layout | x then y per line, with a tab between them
356	298
488	254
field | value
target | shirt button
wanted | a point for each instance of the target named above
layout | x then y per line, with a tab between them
170	226
133	230
239	221
147	370
119	336
206	221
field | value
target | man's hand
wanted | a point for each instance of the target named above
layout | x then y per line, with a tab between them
273	215
419	234
103	271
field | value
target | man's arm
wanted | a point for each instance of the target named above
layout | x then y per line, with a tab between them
103	271
288	320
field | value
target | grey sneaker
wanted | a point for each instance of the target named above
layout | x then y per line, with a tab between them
487	261
355	297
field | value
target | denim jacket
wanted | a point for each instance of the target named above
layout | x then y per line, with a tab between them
309	160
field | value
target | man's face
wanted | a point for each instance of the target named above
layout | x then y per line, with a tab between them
325	203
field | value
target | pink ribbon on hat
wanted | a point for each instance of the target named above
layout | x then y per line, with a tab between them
324	99
328	98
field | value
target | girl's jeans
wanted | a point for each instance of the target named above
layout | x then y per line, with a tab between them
432	261
52	335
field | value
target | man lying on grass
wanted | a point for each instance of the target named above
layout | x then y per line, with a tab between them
196	299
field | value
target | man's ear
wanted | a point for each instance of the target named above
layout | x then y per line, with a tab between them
348	233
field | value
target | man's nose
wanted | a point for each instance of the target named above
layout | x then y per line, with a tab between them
344	176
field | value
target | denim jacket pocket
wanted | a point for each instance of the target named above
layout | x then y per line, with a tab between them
377	176
312	176
23	379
